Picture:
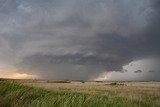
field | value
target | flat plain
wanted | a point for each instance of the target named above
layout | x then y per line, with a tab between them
48	93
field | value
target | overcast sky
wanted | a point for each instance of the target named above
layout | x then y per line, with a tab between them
80	39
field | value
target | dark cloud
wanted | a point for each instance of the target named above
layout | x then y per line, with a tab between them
74	39
124	70
151	71
8	6
138	71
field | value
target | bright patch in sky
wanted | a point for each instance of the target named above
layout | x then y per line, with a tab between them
7	71
18	76
149	69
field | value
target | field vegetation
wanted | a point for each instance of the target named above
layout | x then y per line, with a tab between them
38	93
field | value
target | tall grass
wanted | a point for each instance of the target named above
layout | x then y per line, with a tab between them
14	94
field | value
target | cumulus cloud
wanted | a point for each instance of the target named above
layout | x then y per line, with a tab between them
59	39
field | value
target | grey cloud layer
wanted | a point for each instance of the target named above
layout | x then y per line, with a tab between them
73	39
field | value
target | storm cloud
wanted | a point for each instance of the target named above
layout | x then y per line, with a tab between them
151	71
75	39
138	71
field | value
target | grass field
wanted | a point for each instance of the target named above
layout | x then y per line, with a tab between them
41	93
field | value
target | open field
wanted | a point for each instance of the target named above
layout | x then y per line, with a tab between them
41	93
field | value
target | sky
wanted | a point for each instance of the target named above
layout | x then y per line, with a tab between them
80	39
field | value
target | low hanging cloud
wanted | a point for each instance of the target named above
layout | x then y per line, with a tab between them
138	71
151	71
73	39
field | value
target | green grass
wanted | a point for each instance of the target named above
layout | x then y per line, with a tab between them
13	94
